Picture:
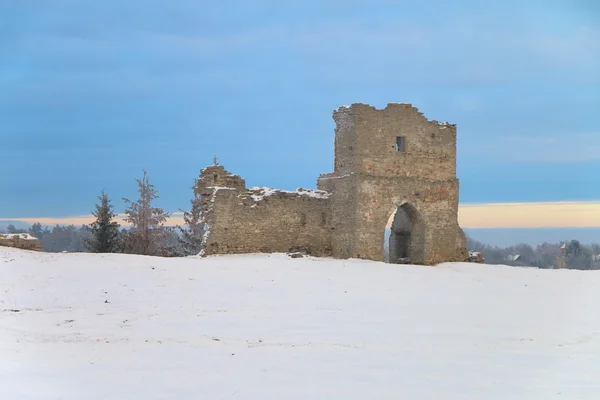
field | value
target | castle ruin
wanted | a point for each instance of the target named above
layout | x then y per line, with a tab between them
393	169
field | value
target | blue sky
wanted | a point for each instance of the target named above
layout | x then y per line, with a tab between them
92	91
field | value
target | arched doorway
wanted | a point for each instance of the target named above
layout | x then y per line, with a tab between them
404	236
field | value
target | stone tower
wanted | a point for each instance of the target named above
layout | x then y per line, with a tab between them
394	169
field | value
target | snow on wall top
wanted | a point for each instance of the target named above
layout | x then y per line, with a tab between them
215	188
259	193
340	108
22	236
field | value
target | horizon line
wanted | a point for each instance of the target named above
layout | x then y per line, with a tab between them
553	214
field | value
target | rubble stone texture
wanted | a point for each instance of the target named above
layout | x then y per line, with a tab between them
21	241
392	166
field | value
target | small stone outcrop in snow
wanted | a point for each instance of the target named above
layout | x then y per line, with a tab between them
20	241
476	257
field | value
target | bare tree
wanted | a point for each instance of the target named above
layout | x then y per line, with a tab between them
147	234
548	254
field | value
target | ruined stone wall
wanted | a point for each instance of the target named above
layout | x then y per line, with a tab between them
345	141
371	148
215	176
343	212
21	241
241	220
272	222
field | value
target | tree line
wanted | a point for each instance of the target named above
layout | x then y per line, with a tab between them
569	254
146	234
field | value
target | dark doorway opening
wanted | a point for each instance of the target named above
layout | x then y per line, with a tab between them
405	237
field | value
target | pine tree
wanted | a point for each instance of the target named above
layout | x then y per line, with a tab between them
104	231
147	234
36	231
173	246
577	256
193	231
13	229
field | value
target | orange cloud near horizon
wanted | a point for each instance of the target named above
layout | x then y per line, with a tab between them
176	219
530	215
490	215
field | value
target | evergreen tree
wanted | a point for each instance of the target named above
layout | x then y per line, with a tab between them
104	231
577	256
193	231
36	231
173	246
147	234
573	248
13	229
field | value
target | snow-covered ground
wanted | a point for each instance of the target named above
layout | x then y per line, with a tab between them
80	326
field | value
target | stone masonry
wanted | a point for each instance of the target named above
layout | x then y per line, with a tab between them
393	169
20	241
